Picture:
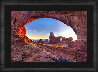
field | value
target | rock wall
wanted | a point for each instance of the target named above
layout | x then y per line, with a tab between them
77	20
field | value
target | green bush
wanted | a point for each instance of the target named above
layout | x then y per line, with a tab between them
59	60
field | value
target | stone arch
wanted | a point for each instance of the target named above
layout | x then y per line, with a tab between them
77	20
61	39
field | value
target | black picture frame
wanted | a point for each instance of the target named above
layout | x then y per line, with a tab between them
7	7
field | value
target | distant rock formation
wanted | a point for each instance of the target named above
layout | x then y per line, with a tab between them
40	41
51	35
46	41
55	40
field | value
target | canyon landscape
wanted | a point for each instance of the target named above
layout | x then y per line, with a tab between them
54	49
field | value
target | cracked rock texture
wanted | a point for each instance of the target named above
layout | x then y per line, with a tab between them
77	20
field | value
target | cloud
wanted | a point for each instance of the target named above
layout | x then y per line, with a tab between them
40	32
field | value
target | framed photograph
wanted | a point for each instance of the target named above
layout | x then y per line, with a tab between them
48	36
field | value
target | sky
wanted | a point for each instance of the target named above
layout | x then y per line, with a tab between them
41	28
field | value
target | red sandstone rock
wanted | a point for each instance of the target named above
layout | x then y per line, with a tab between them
76	51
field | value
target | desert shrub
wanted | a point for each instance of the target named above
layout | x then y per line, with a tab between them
59	60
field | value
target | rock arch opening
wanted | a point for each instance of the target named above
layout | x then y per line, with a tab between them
77	20
41	28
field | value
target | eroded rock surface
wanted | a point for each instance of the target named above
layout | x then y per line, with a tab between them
20	52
